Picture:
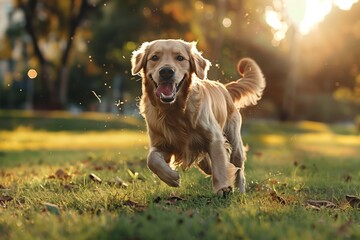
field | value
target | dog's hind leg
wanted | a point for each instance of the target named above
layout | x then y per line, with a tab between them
219	165
238	154
158	163
205	165
238	159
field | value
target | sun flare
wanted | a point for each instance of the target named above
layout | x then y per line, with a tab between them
304	15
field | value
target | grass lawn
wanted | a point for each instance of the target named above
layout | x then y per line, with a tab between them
298	177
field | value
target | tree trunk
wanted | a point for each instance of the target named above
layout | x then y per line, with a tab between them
63	71
53	91
288	111
64	78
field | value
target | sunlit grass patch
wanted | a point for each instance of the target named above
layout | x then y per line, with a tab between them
329	144
272	139
24	138
285	168
65	121
313	126
305	136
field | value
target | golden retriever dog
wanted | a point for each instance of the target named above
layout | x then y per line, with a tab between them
190	119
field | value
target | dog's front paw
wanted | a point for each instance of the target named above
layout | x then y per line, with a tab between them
170	177
158	165
224	192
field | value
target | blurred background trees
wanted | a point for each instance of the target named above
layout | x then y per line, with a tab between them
81	49
43	33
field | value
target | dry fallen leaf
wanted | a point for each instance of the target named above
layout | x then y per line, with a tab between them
135	205
173	200
353	201
98	168
120	182
347	178
157	199
277	198
4	199
70	186
61	174
95	178
312	207
321	203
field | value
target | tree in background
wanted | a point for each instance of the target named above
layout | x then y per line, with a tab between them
321	58
332	49
225	30
52	27
331	66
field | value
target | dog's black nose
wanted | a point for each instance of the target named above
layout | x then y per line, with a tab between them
166	73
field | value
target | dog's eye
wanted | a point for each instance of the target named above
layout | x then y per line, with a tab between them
180	58
154	58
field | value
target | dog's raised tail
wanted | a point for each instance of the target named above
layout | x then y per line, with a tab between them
247	90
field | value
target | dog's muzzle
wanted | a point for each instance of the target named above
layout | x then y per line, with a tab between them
167	90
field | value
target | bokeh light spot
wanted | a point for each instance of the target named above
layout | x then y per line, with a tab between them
32	73
226	22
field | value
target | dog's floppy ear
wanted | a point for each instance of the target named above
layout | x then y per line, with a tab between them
199	64
138	59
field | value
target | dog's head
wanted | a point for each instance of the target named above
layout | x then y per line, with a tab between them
167	66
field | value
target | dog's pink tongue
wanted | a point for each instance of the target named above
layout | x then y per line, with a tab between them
166	89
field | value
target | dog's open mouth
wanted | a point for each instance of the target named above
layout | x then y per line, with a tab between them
167	91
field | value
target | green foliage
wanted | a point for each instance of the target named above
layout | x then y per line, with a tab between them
106	33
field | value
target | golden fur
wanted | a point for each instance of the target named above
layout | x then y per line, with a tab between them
191	119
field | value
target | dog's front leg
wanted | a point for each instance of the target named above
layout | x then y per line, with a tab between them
157	163
219	162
